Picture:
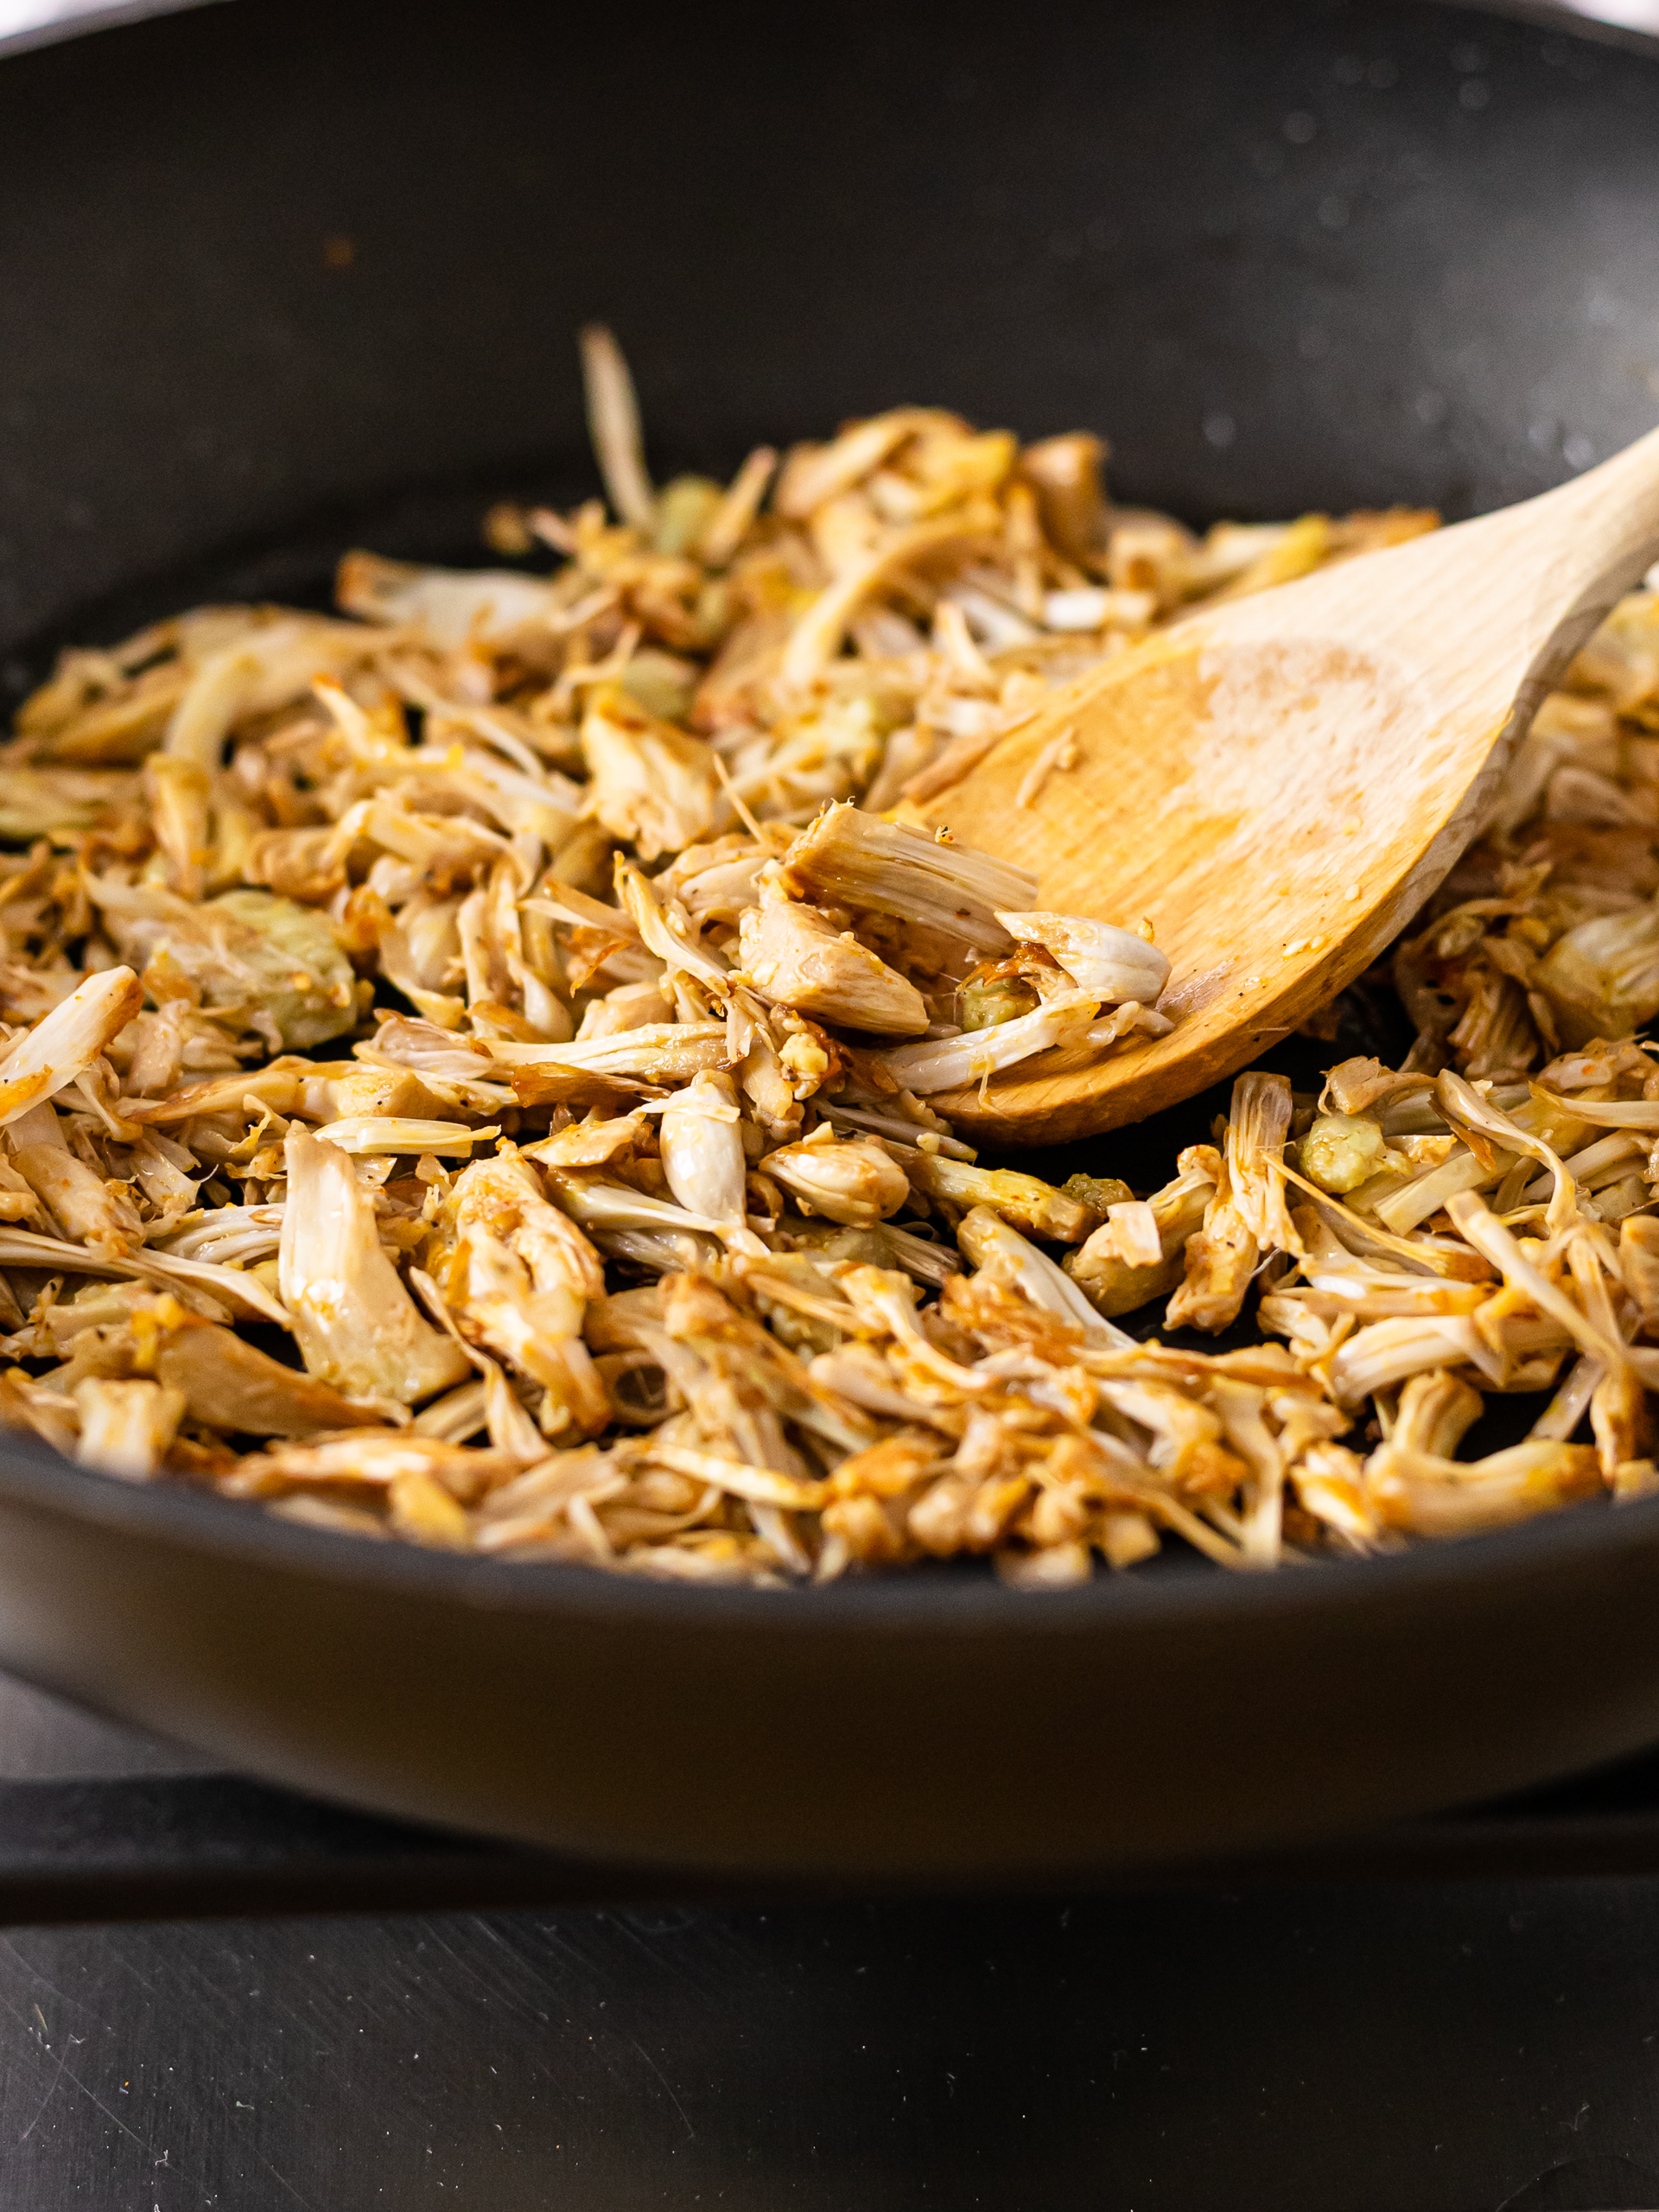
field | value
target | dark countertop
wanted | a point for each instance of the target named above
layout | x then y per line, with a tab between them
1430	2050
1268	2037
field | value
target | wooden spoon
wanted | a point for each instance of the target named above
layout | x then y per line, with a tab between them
1279	782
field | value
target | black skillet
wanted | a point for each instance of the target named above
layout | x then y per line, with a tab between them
278	278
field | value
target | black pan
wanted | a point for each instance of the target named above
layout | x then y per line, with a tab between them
276	278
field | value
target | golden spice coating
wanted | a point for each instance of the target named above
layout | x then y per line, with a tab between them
519	996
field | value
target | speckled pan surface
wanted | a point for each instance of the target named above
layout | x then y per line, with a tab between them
1285	256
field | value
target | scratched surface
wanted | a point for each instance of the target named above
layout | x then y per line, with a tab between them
1415	2049
1424	2051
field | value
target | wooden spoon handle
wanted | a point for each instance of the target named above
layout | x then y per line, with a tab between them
1513	594
1486	614
1568	556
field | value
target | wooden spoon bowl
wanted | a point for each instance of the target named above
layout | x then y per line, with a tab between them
1280	783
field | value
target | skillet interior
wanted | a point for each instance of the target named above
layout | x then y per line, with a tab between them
1285	259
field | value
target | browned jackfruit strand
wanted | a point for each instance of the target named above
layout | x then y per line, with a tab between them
525	992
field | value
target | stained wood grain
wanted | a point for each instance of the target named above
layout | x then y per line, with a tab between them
1279	784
